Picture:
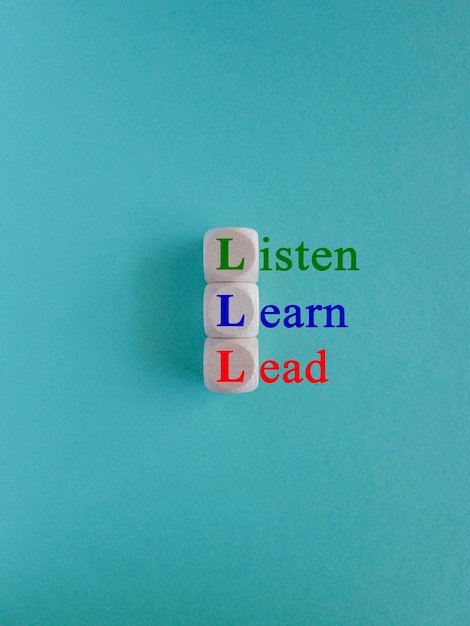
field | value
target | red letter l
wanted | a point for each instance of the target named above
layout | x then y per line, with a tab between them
224	367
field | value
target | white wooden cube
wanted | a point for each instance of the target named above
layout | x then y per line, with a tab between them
231	255
231	310
231	365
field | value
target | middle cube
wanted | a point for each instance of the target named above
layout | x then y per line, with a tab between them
231	310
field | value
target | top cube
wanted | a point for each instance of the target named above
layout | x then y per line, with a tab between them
231	255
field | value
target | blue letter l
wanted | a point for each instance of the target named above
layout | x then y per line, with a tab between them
224	315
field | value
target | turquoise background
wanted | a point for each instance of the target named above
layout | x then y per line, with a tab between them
130	495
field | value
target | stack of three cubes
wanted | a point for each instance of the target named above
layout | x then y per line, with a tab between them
231	309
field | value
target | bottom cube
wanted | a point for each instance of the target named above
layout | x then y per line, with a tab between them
231	365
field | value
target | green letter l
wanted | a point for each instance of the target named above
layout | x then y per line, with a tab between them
224	263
